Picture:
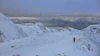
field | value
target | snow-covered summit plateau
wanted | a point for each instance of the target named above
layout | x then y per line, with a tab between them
38	40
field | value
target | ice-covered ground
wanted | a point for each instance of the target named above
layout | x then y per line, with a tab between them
38	40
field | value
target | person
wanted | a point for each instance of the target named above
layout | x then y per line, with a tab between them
74	39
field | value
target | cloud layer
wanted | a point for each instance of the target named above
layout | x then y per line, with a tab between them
16	7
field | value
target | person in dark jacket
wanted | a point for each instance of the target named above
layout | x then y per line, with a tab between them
74	39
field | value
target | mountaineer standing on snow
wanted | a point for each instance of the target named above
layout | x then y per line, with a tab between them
74	39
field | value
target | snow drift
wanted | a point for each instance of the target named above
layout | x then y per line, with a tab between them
8	30
93	33
31	29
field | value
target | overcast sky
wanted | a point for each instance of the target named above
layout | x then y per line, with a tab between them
16	7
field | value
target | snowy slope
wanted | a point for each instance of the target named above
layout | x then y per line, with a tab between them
51	44
44	41
37	29
8	30
93	33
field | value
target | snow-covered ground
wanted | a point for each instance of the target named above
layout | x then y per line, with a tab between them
8	30
38	40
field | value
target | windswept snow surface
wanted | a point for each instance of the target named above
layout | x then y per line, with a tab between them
8	30
93	33
44	41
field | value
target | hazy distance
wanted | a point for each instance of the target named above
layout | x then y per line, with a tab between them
34	7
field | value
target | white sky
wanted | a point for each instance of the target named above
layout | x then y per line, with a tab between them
16	7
